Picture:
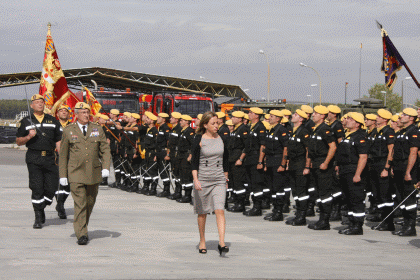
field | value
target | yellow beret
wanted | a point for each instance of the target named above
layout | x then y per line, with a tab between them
284	120
266	116
276	113
238	114
199	116
150	115
186	117
128	114
385	114
256	110
163	115
36	97
321	109
115	111
176	115
302	113
81	105
334	109
220	115
63	107
267	125
229	122
102	116
395	118
136	116
246	116
358	117
410	112
286	112
307	109
344	117
371	117
47	111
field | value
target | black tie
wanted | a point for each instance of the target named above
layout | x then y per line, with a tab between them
84	130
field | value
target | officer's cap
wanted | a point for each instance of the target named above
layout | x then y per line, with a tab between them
302	113
220	115
199	116
128	114
256	110
307	109
286	112
186	117
284	120
63	107
395	118
229	122
102	116
246	116
334	109
136	116
238	114
385	114
321	109
358	117
176	115
410	112
115	111
163	115
276	113
371	117
150	115
36	97
266	116
82	105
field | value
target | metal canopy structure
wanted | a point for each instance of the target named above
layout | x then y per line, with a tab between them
119	80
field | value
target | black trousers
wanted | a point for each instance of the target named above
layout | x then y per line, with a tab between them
43	178
186	173
175	166
354	193
150	168
277	184
409	207
324	187
381	186
256	181
162	168
237	176
299	183
116	162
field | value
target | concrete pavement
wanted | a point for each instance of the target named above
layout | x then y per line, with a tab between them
134	236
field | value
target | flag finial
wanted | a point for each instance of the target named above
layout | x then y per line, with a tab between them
49	30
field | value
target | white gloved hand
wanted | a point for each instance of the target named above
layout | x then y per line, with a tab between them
105	173
63	181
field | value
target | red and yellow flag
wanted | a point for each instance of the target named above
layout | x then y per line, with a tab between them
95	107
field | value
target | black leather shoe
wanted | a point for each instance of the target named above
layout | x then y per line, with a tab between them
83	240
184	199
356	230
253	212
38	220
223	250
43	216
163	194
60	210
276	217
152	192
237	208
410	229
144	190
176	196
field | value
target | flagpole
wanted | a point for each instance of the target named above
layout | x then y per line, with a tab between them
360	69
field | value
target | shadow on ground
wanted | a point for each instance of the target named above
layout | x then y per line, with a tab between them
97	234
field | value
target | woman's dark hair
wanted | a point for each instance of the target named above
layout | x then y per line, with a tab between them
205	120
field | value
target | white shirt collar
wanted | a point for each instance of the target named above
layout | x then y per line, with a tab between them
81	126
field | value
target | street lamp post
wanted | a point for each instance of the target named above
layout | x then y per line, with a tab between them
384	92
402	90
312	103
319	77
268	65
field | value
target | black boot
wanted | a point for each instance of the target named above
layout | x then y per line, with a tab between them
178	192
187	197
145	189
403	228
300	219
310	212
152	191
232	198
166	191
350	224
277	216
336	212
285	208
410	229
323	223
38	219
255	210
239	206
60	210
134	187
265	204
104	181
356	229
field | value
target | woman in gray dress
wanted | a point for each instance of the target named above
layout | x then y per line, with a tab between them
209	169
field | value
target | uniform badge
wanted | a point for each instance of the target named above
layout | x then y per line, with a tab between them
362	141
74	137
284	134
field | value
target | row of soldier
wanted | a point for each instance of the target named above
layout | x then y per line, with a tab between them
312	154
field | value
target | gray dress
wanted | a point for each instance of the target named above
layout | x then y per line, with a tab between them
210	174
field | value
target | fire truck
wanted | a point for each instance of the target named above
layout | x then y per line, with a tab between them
156	102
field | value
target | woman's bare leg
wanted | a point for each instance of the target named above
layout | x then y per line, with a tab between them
221	225
201	219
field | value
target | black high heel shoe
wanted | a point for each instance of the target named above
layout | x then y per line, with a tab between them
202	251
223	250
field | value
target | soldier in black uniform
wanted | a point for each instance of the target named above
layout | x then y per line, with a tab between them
102	119
370	123
309	123
405	162
173	142
275	164
288	185
223	128
133	132
161	151
42	135
298	165
321	149
380	153
184	154
114	140
351	159
127	150
254	160
334	122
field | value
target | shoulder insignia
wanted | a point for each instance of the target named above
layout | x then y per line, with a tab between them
362	141
191	133
391	136
284	134
339	130
307	135
327	132
167	131
262	131
414	136
225	133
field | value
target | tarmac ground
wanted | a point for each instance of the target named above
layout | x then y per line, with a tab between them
135	236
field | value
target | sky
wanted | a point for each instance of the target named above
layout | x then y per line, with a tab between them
220	41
